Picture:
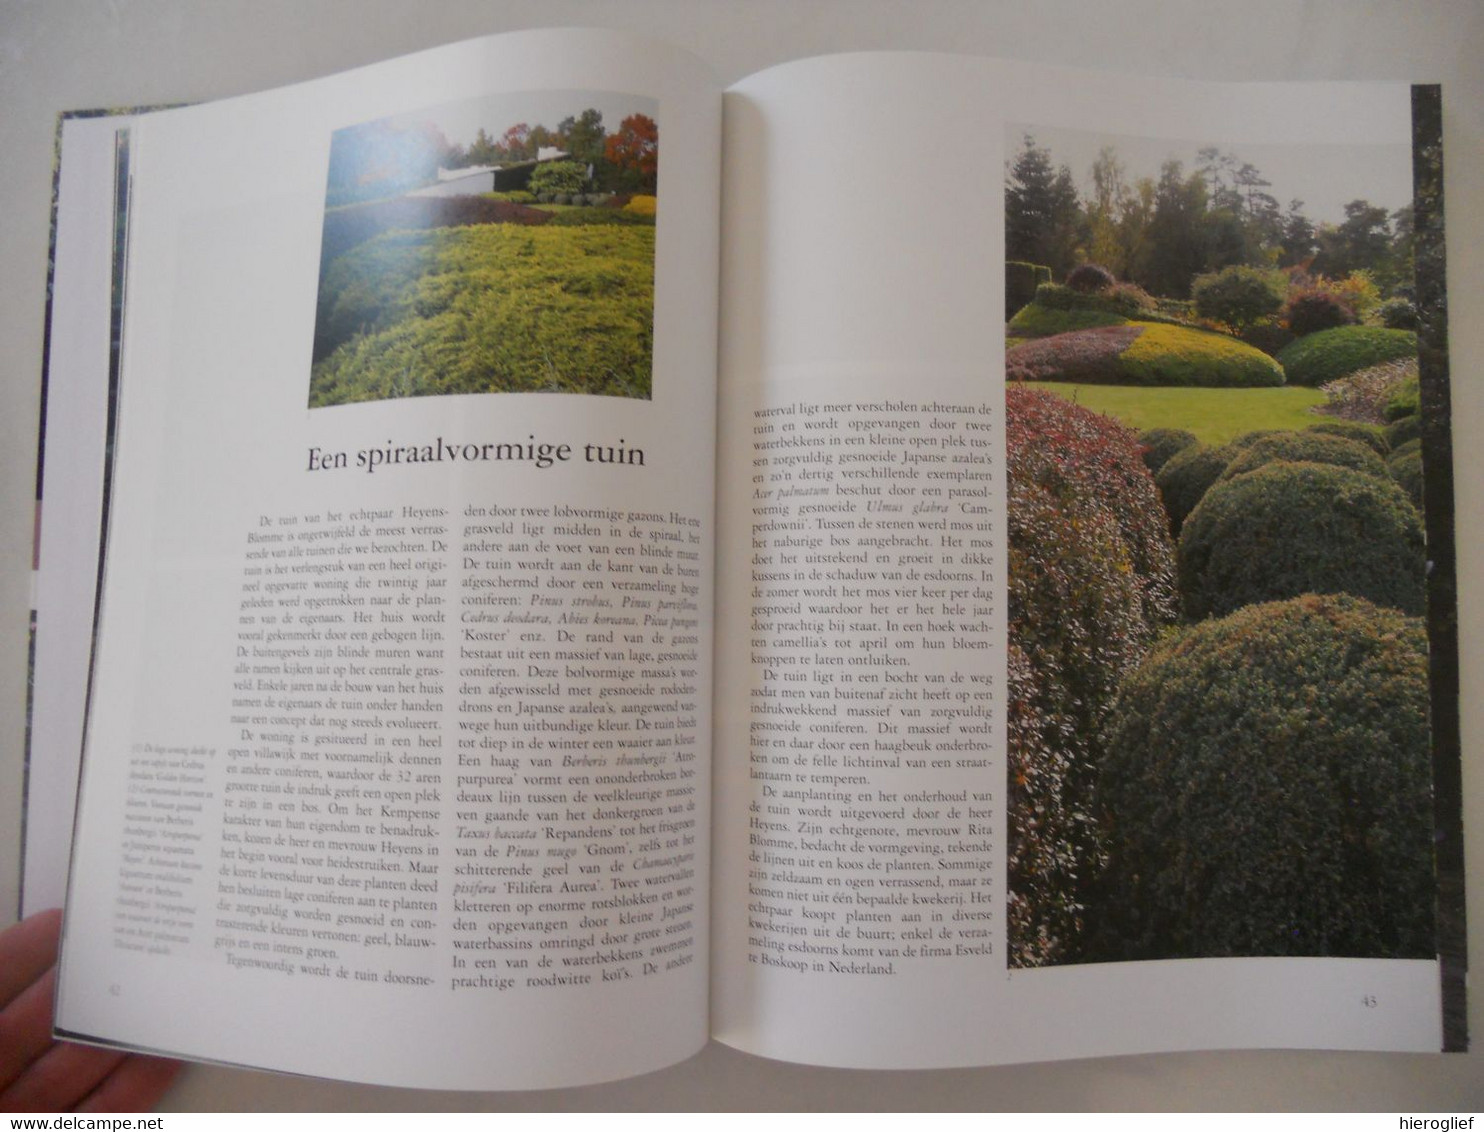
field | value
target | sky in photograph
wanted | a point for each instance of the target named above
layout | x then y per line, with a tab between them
461	121
1324	177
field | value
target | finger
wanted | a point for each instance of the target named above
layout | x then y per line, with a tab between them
59	1078
135	1086
27	949
26	1028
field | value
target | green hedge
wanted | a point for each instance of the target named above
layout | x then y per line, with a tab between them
1267	783
1317	358
1403	429
1035	321
1162	443
1314	447
1187	476
1369	435
1021	281
1405	466
1289	529
1122	299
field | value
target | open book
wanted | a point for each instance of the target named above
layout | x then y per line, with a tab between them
577	581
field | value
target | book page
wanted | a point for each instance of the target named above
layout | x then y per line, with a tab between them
397	763
70	491
939	834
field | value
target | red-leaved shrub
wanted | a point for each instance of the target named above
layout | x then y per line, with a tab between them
1091	581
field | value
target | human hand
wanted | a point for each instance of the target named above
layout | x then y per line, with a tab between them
38	1074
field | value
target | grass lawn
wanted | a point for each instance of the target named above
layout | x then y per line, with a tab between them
1214	415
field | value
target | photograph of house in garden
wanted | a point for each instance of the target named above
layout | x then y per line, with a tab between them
1219	730
501	245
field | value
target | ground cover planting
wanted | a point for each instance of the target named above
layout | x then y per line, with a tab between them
1143	353
488	308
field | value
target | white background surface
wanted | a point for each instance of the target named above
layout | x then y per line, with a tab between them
57	55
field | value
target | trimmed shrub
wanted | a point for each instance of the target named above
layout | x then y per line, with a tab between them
1403	429
1239	296
1267	783
1314	447
1089	278
1310	311
1330	354
1365	434
1187	476
1399	314
1248	439
641	204
1021	281
1122	299
1289	529
1405	467
1405	400
1044	913
1180	355
1162	443
557	177
1090	355
1090	584
1036	321
1142	353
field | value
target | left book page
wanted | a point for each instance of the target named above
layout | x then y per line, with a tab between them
400	705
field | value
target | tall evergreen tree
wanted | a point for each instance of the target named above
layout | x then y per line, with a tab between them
1041	211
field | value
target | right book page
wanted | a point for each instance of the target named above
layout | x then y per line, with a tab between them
1074	684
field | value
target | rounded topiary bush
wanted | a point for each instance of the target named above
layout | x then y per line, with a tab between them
1353	430
1182	355
1161	443
1403	429
1186	477
1289	529
1267	782
1091	575
1089	278
1399	314
1330	354
1405	466
1047	835
1315	447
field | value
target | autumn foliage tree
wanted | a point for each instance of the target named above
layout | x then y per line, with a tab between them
635	151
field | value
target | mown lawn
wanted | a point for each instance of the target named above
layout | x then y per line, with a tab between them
1214	415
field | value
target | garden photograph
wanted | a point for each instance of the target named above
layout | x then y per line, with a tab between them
500	245
1218	705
